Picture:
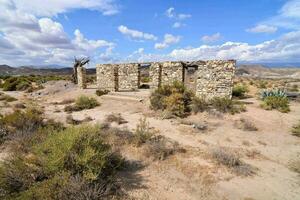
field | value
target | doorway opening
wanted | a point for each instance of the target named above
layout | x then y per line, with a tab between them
144	76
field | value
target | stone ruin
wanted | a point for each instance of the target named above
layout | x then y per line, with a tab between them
208	79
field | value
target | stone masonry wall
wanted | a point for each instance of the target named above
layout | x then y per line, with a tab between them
128	76
171	71
215	79
81	77
105	76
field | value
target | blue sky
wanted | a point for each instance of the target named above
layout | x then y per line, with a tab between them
55	31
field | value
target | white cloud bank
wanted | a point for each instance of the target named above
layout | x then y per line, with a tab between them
284	48
135	34
26	38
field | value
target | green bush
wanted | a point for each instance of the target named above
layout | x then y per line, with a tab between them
102	92
226	105
175	98
276	102
239	90
82	103
74	162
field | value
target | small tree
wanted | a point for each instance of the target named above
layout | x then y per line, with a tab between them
78	62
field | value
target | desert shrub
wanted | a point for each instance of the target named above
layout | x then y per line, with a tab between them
82	103
102	92
294	88
245	125
65	101
175	98
232	161
226	105
262	84
294	165
275	102
7	98
22	123
19	106
73	163
159	148
115	118
143	133
198	105
296	130
239	90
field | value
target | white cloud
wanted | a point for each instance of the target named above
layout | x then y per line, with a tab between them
283	49
288	16
54	7
177	25
170	13
168	40
211	38
135	34
262	29
28	39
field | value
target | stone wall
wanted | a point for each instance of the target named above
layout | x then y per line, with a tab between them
215	79
106	76
208	79
128	75
81	77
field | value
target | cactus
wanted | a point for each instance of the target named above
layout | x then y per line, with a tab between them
273	92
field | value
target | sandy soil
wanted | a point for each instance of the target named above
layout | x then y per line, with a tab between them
193	175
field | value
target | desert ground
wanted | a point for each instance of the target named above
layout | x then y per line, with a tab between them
271	150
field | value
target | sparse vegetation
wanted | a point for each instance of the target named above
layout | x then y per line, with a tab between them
279	103
199	105
240	90
296	130
174	98
245	125
82	103
7	98
64	164
27	83
232	161
226	105
115	118
102	92
143	133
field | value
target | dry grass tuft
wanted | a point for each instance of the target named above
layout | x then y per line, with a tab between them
231	160
115	118
245	125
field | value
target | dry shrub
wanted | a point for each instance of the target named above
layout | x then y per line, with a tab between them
143	132
296	130
226	105
199	105
294	165
19	106
102	92
240	90
65	101
245	125
72	121
117	118
159	148
231	160
7	98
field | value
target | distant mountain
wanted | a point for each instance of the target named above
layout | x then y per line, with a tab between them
268	72
28	70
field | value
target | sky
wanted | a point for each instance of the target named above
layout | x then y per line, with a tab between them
46	32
